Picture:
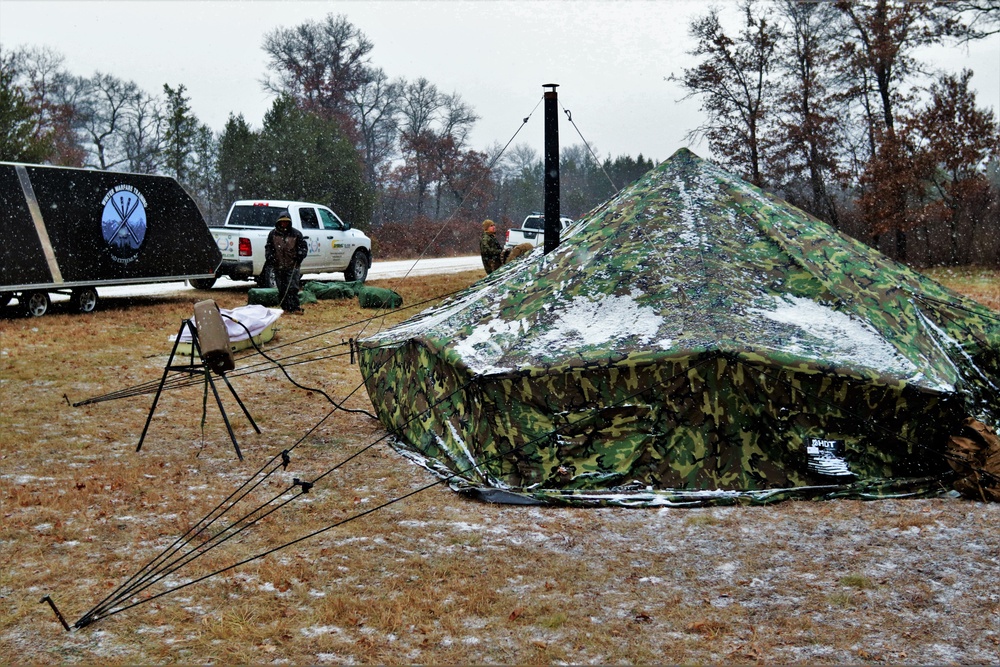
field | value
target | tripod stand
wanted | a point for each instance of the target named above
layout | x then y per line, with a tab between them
193	368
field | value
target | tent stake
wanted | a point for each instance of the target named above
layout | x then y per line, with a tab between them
56	610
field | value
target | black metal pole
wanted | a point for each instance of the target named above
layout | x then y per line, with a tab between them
551	168
225	417
185	324
237	397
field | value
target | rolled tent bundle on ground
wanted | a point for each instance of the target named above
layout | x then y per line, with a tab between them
333	289
693	341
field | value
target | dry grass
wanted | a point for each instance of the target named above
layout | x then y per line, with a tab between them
435	578
981	284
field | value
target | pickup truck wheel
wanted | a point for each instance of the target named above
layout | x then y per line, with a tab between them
5	298
202	283
84	299
35	304
357	270
266	278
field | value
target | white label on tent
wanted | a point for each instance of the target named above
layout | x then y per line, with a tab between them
826	457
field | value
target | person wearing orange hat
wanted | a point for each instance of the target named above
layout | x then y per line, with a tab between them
489	247
285	249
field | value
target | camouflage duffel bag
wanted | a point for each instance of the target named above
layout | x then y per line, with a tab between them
333	289
379	297
268	296
263	296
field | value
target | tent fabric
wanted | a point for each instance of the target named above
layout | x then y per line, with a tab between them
262	296
333	289
315	290
268	296
693	341
379	297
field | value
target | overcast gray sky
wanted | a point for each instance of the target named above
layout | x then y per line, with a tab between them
610	58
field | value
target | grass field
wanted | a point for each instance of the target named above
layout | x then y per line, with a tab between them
983	285
434	578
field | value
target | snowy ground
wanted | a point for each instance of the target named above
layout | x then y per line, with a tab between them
379	271
436	578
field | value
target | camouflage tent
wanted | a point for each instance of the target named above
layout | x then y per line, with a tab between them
695	340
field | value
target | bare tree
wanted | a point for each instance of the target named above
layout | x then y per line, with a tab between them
419	106
520	158
452	162
376	106
20	140
319	64
957	141
883	35
734	84
418	110
983	18
105	108
804	156
878	49
53	93
435	130
143	136
457	119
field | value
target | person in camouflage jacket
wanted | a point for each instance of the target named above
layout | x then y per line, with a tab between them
489	247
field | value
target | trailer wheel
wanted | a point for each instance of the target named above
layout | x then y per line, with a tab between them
266	278
35	304
5	298
202	283
84	299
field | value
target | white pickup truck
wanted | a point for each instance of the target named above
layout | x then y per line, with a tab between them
532	231
333	245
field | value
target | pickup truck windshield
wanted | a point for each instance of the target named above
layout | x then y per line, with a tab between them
255	216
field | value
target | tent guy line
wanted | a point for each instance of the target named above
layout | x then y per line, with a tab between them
141	581
182	381
586	143
453	216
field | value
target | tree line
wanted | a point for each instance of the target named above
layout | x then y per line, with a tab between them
828	105
381	151
823	103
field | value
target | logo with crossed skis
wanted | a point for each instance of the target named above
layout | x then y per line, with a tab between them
123	223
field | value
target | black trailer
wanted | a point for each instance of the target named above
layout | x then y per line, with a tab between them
69	231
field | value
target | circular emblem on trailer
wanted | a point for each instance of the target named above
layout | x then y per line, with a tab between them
123	222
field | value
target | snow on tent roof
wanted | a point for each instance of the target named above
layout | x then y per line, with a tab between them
694	340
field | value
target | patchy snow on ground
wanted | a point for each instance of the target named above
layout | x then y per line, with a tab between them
378	271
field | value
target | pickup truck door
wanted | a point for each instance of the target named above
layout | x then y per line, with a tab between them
333	239
316	260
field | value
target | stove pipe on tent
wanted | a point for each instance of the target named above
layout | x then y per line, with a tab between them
551	168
